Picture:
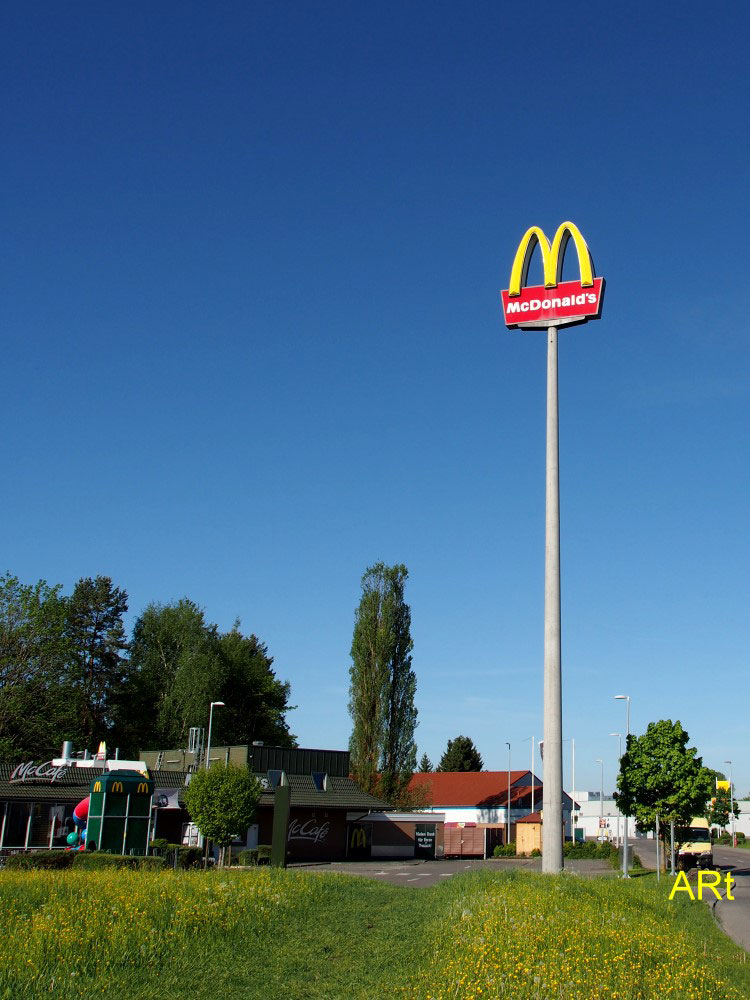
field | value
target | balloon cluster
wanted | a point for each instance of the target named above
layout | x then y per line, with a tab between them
77	838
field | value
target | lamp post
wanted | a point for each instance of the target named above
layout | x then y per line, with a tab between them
731	799
626	699
214	704
619	758
507	818
532	738
601	798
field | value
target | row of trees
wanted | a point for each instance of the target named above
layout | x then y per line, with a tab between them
69	671
459	755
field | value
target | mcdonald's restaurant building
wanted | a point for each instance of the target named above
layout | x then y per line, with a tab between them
327	816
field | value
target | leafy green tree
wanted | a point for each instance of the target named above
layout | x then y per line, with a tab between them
383	685
256	700
425	764
37	704
660	774
97	642
171	647
180	664
720	808
222	802
460	755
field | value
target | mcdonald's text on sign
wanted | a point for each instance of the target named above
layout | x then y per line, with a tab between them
556	302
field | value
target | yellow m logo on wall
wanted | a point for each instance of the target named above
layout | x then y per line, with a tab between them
97	786
552	257
117	786
142	788
358	838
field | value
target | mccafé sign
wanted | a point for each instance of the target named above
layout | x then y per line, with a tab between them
556	302
37	772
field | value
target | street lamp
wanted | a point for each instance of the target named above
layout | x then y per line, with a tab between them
731	799
532	738
626	699
507	819
619	757
214	704
601	798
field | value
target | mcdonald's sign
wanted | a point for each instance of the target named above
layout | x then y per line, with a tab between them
97	786
358	838
142	788
556	302
117	786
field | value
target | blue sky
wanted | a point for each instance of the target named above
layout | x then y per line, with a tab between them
252	342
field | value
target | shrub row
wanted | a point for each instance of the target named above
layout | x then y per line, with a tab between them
261	855
91	860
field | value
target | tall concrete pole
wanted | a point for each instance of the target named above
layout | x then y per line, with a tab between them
552	828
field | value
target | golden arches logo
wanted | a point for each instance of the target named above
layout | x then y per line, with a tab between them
358	838
97	786
142	788
552	257
117	786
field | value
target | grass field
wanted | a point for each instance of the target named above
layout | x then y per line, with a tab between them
294	934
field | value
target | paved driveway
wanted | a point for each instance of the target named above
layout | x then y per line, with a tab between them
420	874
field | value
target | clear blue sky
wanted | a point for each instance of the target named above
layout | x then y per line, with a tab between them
252	342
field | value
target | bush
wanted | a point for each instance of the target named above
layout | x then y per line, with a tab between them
505	850
41	859
97	860
604	851
264	854
160	844
248	857
741	838
536	853
187	857
150	864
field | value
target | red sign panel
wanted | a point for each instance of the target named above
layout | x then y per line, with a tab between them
568	302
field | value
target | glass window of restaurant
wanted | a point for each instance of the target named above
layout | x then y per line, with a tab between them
48	820
16	821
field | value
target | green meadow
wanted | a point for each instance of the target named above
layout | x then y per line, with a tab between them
268	934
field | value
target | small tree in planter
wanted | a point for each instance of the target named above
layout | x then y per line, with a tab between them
222	802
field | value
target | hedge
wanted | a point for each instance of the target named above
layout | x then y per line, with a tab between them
41	859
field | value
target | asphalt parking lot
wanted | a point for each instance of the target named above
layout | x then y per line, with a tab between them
420	874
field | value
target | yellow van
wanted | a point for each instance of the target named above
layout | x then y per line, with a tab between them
696	850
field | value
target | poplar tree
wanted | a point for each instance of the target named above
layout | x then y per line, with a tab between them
382	686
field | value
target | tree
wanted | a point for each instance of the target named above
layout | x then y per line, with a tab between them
425	764
660	774
37	706
256	700
222	801
460	755
97	641
719	808
383	685
169	641
180	664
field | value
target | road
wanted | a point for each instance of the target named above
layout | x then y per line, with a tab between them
422	874
733	915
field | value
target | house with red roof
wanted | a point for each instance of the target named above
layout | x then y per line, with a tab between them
482	800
